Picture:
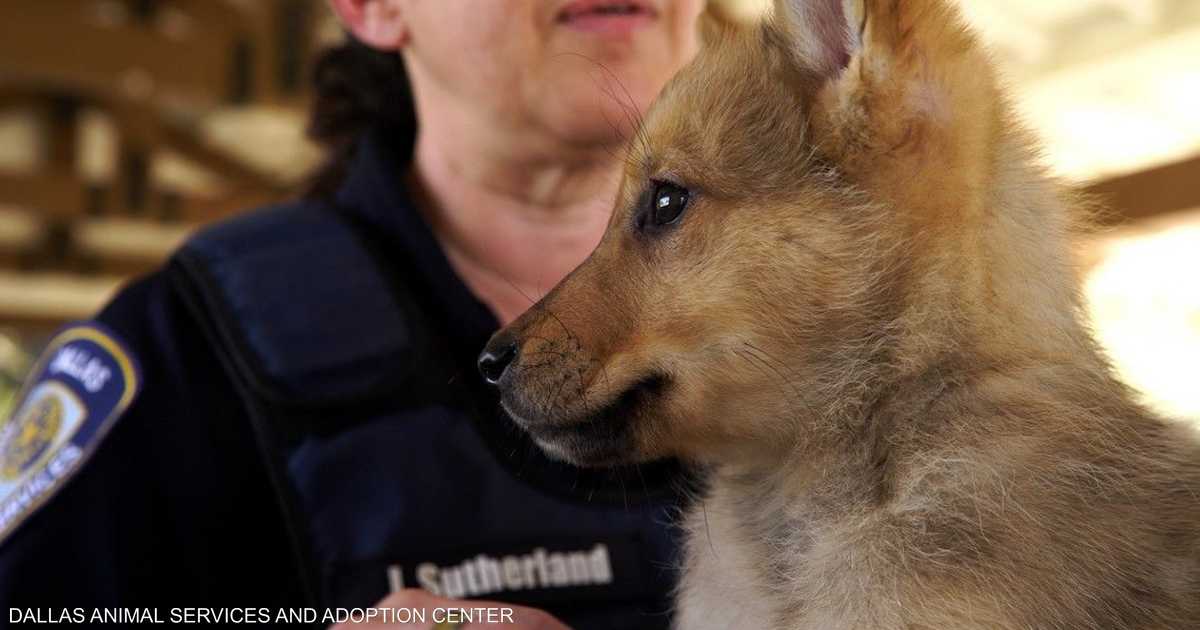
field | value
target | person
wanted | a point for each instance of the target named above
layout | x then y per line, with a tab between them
287	414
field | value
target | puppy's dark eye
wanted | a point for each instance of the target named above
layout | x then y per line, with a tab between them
666	204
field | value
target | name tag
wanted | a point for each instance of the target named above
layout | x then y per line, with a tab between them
576	572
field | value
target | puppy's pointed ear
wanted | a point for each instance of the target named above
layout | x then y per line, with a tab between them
917	49
900	82
823	34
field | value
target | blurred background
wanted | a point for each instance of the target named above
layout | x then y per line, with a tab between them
125	124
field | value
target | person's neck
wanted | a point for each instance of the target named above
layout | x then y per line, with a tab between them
512	224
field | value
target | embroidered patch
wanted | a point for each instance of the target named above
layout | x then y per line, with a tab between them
84	380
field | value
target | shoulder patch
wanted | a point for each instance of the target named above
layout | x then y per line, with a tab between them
83	381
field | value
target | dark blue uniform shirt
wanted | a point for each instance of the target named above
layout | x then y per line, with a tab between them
178	505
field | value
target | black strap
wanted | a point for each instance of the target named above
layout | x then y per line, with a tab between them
300	304
304	322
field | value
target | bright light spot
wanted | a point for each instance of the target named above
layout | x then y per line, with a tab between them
1144	299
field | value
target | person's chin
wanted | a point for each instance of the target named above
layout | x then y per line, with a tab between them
590	128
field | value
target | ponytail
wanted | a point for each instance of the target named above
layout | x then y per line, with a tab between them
357	89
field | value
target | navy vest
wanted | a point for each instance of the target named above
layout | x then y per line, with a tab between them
390	460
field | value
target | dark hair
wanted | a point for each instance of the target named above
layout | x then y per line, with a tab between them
357	89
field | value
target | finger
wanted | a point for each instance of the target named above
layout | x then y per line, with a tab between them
509	616
407	599
534	619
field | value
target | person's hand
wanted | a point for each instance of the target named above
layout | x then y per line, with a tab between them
436	609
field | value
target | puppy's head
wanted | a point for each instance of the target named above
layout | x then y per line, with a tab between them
763	239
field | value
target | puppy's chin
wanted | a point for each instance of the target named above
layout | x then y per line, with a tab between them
588	453
603	436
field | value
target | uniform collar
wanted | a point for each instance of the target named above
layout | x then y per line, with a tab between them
374	189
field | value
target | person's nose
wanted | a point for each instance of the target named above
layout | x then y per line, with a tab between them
500	353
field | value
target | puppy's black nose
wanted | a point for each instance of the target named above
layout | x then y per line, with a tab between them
496	358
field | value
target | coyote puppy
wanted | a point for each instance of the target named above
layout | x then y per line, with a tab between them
835	277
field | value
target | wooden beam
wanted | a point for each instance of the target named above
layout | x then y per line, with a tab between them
65	42
52	194
142	128
1152	192
208	209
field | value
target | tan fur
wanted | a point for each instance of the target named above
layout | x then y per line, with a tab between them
867	327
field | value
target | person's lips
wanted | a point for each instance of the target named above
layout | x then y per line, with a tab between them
606	16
